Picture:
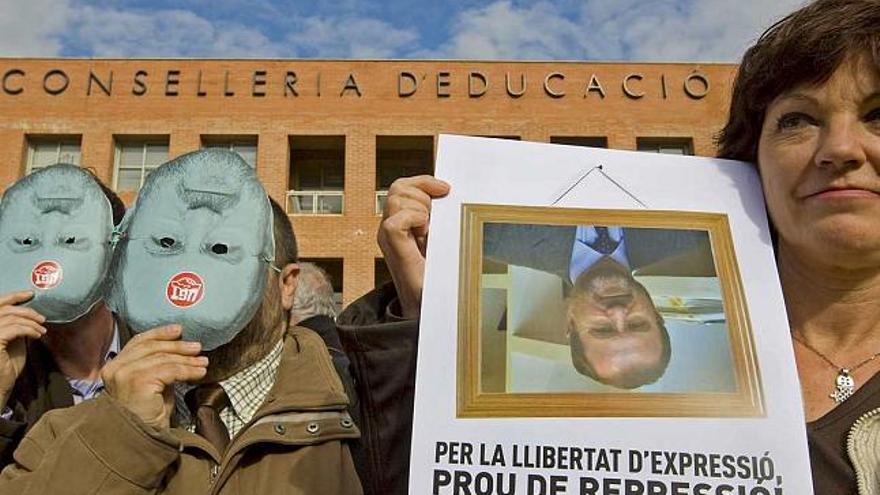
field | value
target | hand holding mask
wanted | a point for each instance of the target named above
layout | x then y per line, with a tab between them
17	323
151	361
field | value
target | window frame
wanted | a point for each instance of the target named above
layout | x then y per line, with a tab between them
144	145
230	142
654	144
59	142
295	170
383	145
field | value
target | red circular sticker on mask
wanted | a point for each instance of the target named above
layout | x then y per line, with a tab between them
47	275
185	289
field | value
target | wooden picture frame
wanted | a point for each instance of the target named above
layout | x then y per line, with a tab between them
473	402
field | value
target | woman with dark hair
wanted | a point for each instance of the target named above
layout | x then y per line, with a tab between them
806	109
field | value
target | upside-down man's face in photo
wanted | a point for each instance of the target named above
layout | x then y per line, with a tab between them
616	335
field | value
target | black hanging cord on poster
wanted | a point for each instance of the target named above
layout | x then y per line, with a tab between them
601	170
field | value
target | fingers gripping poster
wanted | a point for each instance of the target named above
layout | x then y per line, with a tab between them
601	322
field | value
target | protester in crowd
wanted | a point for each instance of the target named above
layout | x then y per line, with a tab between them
220	395
380	334
314	294
52	359
806	109
313	308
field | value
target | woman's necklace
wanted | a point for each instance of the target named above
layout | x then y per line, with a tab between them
844	384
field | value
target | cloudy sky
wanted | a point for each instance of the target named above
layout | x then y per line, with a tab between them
637	30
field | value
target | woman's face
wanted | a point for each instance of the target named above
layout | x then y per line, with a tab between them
819	156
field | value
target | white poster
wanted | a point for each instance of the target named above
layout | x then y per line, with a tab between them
601	322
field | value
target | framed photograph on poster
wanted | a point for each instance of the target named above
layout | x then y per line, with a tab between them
599	321
589	312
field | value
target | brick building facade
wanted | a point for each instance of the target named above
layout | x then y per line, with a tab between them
327	137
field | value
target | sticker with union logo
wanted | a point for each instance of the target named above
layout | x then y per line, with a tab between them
47	275
185	289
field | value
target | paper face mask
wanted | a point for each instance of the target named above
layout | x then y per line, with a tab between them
194	248
55	229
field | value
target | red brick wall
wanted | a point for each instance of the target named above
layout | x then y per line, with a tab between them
380	110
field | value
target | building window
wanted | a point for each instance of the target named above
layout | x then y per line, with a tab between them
334	269
246	147
591	141
401	156
668	146
136	158
45	151
317	175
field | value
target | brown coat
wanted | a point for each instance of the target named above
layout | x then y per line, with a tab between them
295	443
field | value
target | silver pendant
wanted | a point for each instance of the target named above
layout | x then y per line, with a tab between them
845	386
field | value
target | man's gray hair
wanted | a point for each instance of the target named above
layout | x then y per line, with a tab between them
314	294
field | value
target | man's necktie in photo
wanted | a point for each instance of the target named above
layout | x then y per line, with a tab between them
603	242
592	243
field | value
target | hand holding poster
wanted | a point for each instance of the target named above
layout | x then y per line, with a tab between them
615	324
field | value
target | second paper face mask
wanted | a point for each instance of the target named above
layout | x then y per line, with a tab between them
55	229
195	248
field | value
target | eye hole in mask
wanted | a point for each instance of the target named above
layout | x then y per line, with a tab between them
73	241
25	243
164	243
222	249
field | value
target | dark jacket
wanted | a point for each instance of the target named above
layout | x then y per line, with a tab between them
382	349
40	388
